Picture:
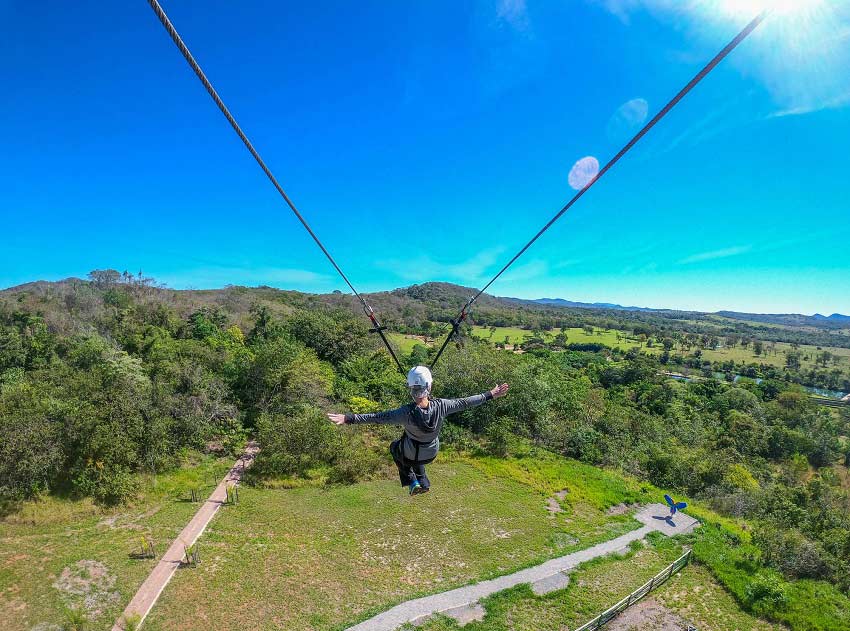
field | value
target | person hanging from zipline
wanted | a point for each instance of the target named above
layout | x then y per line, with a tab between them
422	421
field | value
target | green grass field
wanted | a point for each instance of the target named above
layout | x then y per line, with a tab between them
574	336
322	558
808	355
626	341
404	343
325	557
45	537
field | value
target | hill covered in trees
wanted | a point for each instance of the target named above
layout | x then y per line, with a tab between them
106	378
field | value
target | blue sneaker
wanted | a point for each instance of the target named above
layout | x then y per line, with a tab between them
415	487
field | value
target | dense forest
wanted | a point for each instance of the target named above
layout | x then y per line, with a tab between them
105	378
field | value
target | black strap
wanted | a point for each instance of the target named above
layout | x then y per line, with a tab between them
453	333
417	443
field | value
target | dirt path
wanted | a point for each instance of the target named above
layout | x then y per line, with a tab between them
458	601
156	581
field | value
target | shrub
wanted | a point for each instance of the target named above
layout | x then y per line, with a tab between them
499	434
106	482
353	461
766	592
458	437
31	454
296	441
792	553
739	478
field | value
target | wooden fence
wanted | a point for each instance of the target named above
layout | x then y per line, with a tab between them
659	579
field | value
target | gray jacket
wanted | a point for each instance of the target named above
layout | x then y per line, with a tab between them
421	425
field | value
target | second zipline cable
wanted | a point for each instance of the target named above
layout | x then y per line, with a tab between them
711	65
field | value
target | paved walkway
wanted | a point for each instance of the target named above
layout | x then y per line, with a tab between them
652	516
156	581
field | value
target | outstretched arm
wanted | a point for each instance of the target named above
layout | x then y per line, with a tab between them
454	406
390	417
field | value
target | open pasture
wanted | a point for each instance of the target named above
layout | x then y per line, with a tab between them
57	553
324	558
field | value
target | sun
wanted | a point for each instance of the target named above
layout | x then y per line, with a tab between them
749	8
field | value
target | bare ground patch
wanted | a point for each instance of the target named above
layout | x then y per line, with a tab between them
621	509
648	614
88	584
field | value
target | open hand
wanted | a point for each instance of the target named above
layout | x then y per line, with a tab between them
500	391
337	419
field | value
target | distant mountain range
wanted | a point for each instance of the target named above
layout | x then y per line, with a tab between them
560	302
789	319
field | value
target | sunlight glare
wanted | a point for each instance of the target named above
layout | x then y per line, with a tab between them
750	8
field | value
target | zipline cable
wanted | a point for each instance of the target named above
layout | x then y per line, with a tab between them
740	37
178	41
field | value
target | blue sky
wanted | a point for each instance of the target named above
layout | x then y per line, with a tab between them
429	141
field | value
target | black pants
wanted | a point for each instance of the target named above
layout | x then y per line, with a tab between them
409	470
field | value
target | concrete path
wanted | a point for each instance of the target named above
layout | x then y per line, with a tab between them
156	581
652	516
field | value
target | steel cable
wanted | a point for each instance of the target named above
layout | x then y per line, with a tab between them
740	37
178	41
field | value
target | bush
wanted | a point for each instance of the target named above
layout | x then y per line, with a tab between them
458	437
790	552
31	454
353	461
766	592
739	478
297	441
107	483
499	434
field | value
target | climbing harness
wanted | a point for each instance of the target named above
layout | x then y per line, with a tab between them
178	41
740	37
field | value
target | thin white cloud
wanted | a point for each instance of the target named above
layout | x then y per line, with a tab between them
623	9
716	254
830	104
209	277
424	268
533	270
514	13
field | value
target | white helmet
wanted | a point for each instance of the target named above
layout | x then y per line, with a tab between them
419	381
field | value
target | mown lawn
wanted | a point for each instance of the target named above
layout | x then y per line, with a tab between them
324	558
693	595
574	336
625	341
404	343
43	538
739	354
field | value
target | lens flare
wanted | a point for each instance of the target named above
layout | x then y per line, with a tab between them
583	172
